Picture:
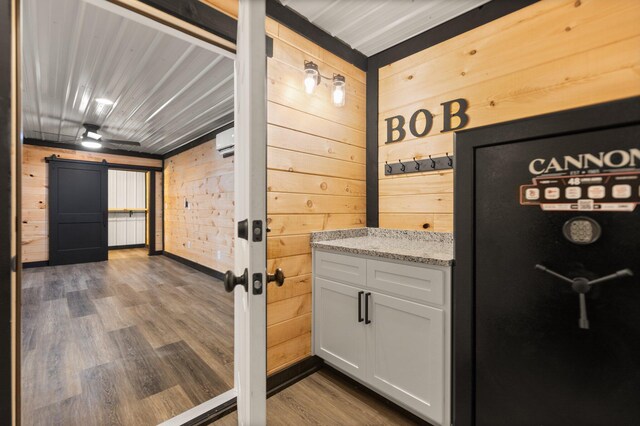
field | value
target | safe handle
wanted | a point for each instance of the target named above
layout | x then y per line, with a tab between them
360	293
619	274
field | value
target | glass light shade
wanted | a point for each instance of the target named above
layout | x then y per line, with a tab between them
338	93
311	77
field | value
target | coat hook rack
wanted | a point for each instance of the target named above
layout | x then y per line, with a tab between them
425	165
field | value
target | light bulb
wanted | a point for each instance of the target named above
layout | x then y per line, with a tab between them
338	94
311	77
309	84
91	144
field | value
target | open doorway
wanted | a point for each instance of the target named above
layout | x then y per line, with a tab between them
142	330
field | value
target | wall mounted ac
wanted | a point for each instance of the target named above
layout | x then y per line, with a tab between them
225	142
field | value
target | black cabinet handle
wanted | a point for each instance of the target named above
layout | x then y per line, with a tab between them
360	293
366	308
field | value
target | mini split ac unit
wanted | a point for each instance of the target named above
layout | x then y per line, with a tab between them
225	142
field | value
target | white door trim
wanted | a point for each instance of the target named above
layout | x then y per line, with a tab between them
250	173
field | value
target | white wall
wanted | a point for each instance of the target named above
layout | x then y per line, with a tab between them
127	190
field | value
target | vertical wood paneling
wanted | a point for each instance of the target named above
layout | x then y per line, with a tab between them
315	181
35	232
203	232
550	56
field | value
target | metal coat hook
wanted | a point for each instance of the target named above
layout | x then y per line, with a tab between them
387	166
433	162
402	166
417	164
450	159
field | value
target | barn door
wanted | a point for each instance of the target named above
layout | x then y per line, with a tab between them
78	222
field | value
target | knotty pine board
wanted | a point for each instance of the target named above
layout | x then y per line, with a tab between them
205	179
550	56
35	195
315	180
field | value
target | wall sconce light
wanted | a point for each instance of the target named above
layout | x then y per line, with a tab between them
312	78
338	94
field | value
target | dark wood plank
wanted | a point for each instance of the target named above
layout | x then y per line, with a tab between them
79	303
52	289
143	368
195	377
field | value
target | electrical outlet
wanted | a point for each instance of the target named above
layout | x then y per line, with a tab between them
188	244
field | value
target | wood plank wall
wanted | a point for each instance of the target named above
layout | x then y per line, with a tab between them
315	178
159	231
203	178
35	215
550	56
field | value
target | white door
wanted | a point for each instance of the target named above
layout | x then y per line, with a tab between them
340	326
251	205
405	353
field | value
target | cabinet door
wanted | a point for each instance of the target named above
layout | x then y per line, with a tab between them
405	353
339	335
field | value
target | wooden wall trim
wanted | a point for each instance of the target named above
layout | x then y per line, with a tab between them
57	145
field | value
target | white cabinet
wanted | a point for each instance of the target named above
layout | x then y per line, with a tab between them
387	325
341	339
405	348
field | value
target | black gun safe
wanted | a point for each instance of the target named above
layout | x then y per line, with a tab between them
546	288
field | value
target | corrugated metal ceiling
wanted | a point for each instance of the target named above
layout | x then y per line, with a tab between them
372	26
167	89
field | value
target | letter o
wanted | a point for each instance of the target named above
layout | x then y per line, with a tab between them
427	126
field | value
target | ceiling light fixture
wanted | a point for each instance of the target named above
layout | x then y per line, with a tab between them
104	101
94	135
91	144
312	78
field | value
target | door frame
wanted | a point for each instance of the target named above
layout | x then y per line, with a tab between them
584	119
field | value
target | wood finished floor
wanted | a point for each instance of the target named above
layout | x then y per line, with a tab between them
324	398
131	341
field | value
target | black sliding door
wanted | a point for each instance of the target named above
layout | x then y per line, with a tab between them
77	212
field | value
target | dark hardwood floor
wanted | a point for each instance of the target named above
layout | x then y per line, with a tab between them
325	398
131	341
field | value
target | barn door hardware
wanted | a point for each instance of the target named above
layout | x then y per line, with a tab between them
582	285
429	164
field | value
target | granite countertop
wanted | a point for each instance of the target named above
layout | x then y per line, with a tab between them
432	248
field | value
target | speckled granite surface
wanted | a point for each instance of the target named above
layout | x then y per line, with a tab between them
433	248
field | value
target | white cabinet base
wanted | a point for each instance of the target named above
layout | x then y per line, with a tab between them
403	353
